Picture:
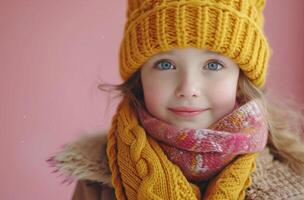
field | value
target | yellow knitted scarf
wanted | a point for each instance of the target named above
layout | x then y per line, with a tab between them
141	170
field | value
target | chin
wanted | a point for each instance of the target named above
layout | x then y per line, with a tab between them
189	125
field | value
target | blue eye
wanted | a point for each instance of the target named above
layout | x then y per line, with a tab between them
164	65
214	66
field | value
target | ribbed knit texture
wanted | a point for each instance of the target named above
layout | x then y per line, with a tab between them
141	170
230	27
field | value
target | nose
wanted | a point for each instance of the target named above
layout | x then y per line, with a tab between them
189	87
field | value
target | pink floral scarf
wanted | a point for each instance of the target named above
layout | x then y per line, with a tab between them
202	153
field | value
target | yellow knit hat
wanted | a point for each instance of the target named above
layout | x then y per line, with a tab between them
233	28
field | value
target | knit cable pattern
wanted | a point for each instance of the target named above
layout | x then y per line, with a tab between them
141	170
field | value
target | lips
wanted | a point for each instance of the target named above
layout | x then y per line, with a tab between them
187	111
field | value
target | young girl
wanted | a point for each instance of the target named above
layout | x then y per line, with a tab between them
194	120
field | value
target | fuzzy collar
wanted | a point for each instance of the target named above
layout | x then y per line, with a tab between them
86	159
83	159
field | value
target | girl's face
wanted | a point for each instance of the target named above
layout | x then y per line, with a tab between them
189	87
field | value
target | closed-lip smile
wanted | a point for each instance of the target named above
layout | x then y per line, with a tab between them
186	111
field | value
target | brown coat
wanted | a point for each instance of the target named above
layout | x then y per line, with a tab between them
86	160
86	190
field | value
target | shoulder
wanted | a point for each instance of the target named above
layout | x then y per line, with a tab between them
274	179
84	159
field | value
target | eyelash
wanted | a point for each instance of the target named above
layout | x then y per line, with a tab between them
210	61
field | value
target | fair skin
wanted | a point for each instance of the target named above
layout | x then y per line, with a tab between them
192	78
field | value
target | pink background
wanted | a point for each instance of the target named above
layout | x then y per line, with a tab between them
52	56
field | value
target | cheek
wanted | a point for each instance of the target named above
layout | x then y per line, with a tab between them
156	95
222	98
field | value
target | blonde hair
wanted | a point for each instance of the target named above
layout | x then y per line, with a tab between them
284	117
